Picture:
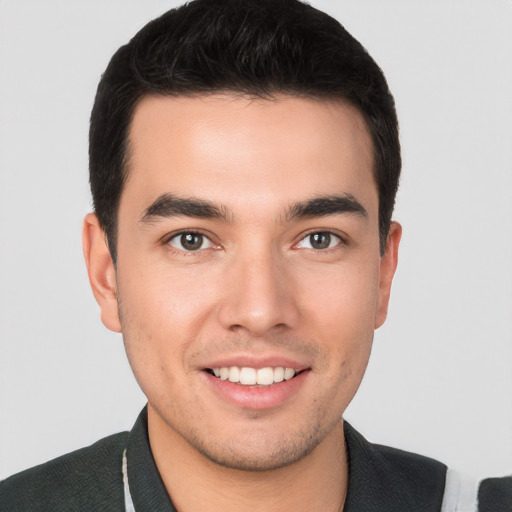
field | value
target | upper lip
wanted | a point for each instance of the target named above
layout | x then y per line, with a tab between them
252	361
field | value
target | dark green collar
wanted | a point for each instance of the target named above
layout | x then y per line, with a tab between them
385	479
146	487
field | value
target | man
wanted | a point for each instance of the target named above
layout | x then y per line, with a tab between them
244	160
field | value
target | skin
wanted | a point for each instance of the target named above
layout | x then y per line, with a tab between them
256	288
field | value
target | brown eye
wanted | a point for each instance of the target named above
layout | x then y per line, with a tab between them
319	241
190	242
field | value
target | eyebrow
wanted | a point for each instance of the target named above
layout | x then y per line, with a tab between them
326	205
169	205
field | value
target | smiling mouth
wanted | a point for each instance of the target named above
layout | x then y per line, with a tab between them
246	376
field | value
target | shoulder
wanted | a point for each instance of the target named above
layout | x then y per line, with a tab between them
495	494
388	479
86	479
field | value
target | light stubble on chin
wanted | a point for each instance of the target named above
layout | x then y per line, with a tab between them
284	455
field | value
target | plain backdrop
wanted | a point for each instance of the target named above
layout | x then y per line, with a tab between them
440	378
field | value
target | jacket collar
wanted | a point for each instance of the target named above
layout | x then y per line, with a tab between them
386	479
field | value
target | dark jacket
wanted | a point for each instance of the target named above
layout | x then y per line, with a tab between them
381	479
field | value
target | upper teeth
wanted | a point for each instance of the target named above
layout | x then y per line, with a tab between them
251	376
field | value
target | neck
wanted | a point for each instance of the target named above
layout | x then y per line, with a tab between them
318	481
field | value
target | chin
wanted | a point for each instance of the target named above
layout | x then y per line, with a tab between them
258	452
280	458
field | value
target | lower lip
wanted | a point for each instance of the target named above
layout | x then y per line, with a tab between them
257	397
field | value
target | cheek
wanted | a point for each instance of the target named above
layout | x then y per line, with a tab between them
160	317
341	313
343	300
159	299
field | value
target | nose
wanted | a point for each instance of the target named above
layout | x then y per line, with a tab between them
260	297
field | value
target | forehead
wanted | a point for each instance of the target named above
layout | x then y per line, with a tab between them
234	149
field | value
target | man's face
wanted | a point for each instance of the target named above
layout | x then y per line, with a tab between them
248	243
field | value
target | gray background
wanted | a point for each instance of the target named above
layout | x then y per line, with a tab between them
440	378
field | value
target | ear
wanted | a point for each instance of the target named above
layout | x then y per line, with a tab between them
101	270
388	264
